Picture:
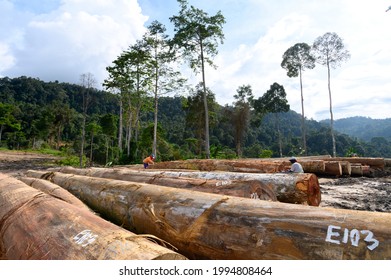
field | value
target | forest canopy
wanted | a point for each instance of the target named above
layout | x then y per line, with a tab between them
36	115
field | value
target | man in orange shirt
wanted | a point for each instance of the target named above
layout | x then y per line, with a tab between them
149	160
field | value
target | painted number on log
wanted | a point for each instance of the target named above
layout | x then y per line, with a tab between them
85	238
354	236
223	183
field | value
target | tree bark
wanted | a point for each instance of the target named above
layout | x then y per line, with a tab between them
333	168
303	128
211	226
326	166
372	162
241	165
331	111
37	226
305	190
54	191
357	170
346	168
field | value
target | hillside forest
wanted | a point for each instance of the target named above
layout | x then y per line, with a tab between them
39	115
146	106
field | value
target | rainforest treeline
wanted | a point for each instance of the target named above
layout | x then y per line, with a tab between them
35	115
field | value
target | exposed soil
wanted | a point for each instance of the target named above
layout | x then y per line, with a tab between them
357	193
17	163
369	194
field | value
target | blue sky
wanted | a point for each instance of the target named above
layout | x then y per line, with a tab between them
60	40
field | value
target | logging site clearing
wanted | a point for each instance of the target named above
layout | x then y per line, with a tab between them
339	208
357	193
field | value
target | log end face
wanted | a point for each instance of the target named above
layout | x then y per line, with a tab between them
314	194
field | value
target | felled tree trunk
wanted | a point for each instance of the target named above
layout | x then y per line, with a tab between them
53	190
211	226
318	165
288	188
346	168
333	168
249	189
372	162
241	165
357	170
34	225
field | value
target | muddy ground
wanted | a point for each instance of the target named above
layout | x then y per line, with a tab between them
357	193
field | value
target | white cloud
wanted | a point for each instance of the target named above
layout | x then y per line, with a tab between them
77	37
360	86
7	60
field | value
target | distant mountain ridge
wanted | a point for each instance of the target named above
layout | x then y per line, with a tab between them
363	128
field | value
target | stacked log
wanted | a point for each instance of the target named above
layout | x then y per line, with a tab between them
53	190
325	166
212	226
363	166
250	166
284	187
241	165
372	162
35	225
333	167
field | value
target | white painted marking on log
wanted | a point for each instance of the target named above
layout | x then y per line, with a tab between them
254	196
224	183
85	238
354	236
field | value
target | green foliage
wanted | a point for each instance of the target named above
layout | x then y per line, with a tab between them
196	37
177	138
72	160
297	59
266	154
197	34
351	152
364	128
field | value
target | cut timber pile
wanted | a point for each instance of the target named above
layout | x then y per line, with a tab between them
35	225
318	165
286	187
212	226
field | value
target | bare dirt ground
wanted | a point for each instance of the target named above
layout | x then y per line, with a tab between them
357	193
16	163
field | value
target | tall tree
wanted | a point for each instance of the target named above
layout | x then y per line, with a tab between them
94	129
195	115
330	51
241	117
88	82
295	60
109	129
274	101
131	74
165	78
197	35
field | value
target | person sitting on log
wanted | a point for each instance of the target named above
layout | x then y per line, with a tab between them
148	160
295	167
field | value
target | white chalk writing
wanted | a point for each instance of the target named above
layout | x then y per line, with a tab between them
223	183
354	236
85	238
254	196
